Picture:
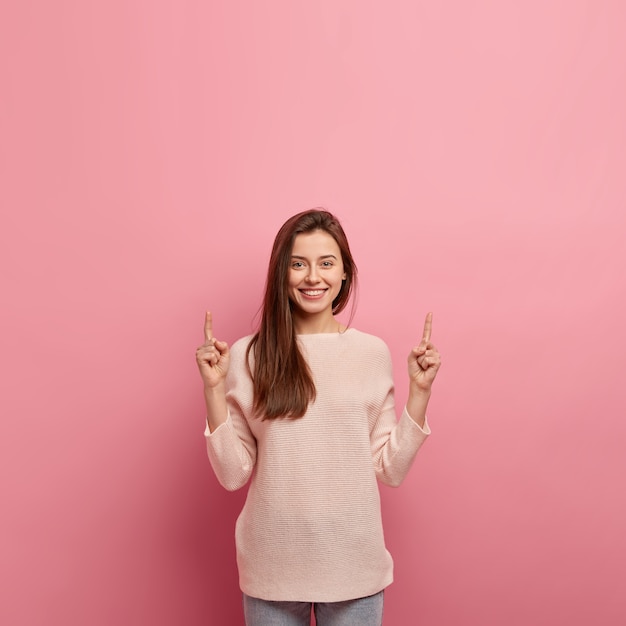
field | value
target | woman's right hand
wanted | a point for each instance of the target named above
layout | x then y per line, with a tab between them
212	357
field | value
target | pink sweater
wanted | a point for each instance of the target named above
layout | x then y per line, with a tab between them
311	527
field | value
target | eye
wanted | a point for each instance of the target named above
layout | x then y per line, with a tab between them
297	265
327	263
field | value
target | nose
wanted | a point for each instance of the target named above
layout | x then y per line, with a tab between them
312	276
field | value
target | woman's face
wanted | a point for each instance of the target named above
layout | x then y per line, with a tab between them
315	273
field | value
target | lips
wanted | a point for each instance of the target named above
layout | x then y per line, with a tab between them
313	293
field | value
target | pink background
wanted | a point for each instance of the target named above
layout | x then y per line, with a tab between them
475	152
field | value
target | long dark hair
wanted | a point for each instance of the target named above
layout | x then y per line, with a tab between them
283	385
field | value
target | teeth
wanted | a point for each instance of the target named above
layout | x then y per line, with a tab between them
313	292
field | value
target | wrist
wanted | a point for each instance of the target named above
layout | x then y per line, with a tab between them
216	407
419	392
417	403
215	390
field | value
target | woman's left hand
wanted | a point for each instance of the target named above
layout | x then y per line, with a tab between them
424	359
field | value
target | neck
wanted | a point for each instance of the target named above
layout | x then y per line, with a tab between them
309	325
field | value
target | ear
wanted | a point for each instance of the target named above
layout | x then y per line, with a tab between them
344	276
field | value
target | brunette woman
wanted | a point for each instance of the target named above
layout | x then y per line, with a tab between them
304	409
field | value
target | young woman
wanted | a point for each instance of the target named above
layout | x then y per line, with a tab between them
305	409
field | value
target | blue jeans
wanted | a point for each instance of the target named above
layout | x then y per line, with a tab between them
360	612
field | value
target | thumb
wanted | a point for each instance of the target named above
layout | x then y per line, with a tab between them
222	346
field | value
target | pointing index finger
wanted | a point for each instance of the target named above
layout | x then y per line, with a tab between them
208	326
428	327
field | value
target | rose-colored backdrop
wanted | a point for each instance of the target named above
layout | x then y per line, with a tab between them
475	152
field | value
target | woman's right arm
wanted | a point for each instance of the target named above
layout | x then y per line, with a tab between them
231	446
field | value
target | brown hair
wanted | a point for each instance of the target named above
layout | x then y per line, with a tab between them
283	385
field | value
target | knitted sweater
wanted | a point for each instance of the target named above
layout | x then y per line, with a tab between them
311	527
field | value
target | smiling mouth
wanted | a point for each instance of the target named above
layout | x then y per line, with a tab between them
312	292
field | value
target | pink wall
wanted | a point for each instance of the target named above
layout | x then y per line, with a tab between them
476	154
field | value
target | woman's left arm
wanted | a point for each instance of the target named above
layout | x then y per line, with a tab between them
395	444
424	362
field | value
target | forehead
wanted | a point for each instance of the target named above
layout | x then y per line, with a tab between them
315	244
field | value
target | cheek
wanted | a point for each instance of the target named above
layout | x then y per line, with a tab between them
339	282
343	282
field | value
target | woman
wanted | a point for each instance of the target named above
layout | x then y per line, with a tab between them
305	408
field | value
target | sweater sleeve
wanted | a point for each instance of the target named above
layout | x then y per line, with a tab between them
394	442
231	447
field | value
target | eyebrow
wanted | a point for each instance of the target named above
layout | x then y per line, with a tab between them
303	258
